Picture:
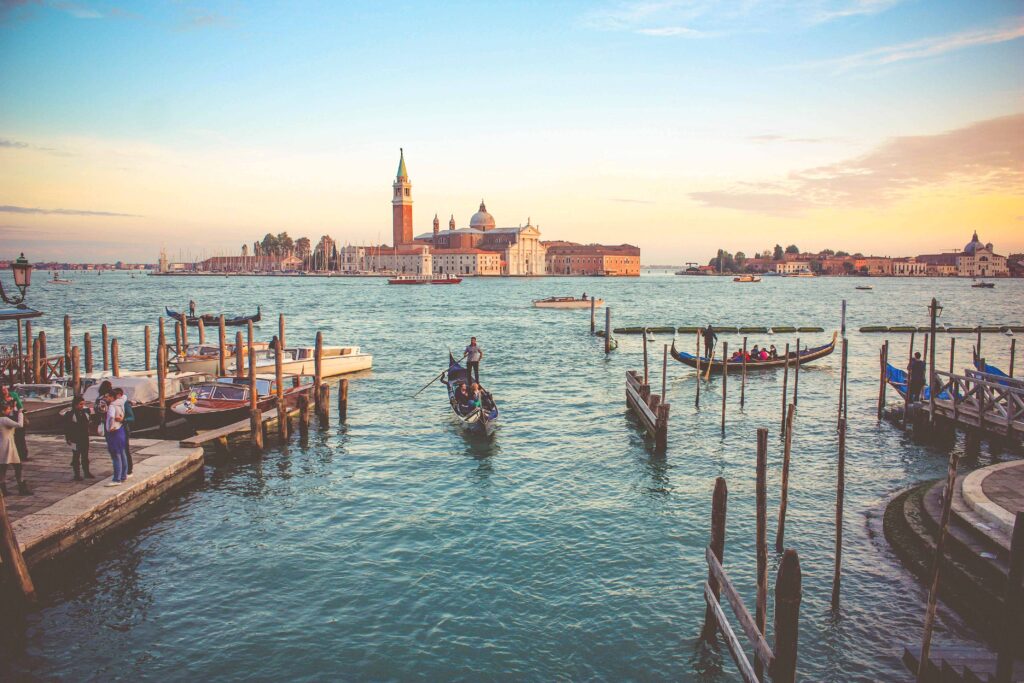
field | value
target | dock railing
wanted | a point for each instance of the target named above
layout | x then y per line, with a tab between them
980	400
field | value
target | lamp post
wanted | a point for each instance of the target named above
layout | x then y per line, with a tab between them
22	279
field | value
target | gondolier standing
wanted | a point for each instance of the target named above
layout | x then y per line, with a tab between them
710	339
191	308
474	354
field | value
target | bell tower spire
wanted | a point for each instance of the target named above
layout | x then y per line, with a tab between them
401	204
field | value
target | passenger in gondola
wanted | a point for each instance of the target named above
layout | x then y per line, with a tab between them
755	353
737	357
462	398
584	296
764	354
773	353
475	396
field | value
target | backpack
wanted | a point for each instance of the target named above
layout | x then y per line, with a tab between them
129	414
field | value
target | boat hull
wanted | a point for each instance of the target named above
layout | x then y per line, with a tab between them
578	303
45	416
331	366
716	365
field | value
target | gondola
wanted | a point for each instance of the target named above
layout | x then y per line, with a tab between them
898	380
795	358
483	420
210	320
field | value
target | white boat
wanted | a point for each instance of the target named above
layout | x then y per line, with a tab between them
58	280
566	302
43	404
336	360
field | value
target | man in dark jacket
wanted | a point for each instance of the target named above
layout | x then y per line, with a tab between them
916	373
710	339
76	433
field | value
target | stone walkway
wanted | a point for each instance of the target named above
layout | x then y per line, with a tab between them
996	494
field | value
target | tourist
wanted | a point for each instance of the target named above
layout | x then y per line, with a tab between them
755	353
10	420
76	434
584	296
916	372
114	431
475	396
773	353
474	354
99	406
710	339
764	354
9	395
191	308
129	422
462	397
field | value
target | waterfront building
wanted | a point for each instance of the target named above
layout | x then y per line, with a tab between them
405	260
570	258
466	261
792	267
873	265
980	260
909	267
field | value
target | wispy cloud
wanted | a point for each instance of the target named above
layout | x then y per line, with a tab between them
771	137
18	144
924	48
625	200
989	155
77	10
203	19
64	212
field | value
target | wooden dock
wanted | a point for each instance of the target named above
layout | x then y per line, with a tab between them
648	408
977	400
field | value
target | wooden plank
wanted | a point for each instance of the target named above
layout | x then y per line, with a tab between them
641	408
227	430
760	645
733	643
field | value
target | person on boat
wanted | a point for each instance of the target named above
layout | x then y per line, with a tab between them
773	353
710	339
915	373
76	434
475	396
10	420
755	353
584	296
9	395
462	398
474	354
737	356
764	354
191	308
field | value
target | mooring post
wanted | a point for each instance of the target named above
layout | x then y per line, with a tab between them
318	359
1013	604
43	355
932	379
843	328
979	340
725	379
593	311
646	380
115	364
883	360
664	372
177	339
67	342
202	332
796	372
21	354
906	393
743	377
940	548
35	361
343	400
303	416
249	336
761	501
239	355
10	552
785	391
719	502
146	343
255	416
280	330
840	494
161	380
952	353
784	497
696	400
222	343
29	341
161	337
787	618
608	329
282	411
842	388
88	353
184	331
76	373
324	411
1013	354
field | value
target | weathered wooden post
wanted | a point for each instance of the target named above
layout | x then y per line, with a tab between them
105	338
35	361
184	332
280	330
952	353
29	346
303	417
979	339
115	364
67	343
743	377
202	332
906	394
282	411
664	372
883	376
146	335
324	399
43	355
10	552
593	310
318	359
787	618
646	380
932	379
222	343
1013	603
796	373
719	502
608	329
1013	354
842	387
239	355
785	391
696	400
88	353
21	354
249	336
725	379
343	400
161	336
255	417
761	502
161	380
940	549
784	497
76	374
840	495
177	339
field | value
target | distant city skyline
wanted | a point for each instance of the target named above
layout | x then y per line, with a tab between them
886	127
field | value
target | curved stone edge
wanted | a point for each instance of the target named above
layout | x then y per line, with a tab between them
985	507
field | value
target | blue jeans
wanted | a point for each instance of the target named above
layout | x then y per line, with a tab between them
116	447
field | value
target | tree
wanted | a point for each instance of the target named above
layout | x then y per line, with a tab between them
740	258
792	249
777	254
842	254
826	252
302	247
848	267
284	243
269	245
816	267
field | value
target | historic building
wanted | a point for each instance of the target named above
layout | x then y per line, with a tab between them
980	260
909	267
467	261
570	258
401	205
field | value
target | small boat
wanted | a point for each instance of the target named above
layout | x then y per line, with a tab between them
44	403
143	390
58	280
214	404
984	285
746	278
482	420
205	358
425	280
864	287
211	320
301	360
566	302
794	358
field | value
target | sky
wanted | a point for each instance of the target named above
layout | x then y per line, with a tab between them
889	127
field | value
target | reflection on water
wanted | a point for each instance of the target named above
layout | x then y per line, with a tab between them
397	547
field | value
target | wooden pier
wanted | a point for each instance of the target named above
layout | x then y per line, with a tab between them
648	408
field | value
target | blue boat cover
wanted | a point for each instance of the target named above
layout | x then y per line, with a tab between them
898	379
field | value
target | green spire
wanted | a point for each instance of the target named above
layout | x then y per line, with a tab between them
402	173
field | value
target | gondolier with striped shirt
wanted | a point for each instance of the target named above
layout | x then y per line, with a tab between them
474	354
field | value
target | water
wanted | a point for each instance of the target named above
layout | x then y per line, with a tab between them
396	548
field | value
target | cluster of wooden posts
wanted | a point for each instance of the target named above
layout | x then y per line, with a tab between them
650	409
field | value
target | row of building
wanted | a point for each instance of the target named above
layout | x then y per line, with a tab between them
480	249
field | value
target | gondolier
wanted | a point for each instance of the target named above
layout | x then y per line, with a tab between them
192	308
710	339
474	354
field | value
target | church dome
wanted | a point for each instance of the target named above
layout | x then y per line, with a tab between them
482	220
973	244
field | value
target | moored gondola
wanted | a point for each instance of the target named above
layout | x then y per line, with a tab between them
794	358
481	420
211	320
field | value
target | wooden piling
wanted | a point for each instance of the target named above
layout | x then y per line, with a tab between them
608	330
115	364
35	361
43	355
21	354
318	359
282	412
222	344
29	346
979	340
202	332
184	332
161	337
952	353
13	561
743	376
593	310
906	394
840	495
88	353
161	380
255	416
785	391
780	532
883	380
146	335
932	383
280	330
796	373
303	417
1013	354
177	339
761	502
664	372
249	336
239	356
842	385
76	374
725	379
696	400
940	548
67	343
646	379
787	618
1013	603
324	401
343	400
105	338
719	502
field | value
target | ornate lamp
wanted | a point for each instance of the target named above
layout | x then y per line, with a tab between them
22	279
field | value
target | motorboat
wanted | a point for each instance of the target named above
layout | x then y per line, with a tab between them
567	302
336	360
747	278
425	280
226	400
43	404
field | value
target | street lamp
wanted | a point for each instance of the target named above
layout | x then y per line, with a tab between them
22	279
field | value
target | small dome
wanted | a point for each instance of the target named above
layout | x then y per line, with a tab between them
482	220
973	244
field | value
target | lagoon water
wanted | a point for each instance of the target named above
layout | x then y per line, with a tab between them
395	548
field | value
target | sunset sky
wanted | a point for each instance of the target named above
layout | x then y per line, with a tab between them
878	126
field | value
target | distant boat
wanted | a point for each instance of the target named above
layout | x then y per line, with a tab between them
566	302
864	287
984	285
747	278
58	280
424	280
210	319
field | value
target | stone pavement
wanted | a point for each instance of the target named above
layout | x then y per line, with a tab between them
996	494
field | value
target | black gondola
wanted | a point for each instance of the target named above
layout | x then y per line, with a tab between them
210	320
795	358
482	420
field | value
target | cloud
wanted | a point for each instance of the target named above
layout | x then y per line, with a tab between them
200	20
17	144
924	48
13	144
76	10
989	155
771	137
64	212
673	31
623	200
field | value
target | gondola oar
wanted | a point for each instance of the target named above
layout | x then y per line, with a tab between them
435	379
711	359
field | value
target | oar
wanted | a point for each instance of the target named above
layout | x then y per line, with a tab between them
711	359
435	379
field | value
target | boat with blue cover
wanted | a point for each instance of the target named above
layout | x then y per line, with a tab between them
481	419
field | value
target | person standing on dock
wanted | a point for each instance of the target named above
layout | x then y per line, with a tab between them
76	434
710	339
191	308
9	395
9	422
474	354
115	433
915	376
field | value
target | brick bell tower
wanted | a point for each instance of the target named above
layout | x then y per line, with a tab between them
401	205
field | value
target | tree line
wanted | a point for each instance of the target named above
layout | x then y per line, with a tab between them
727	262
